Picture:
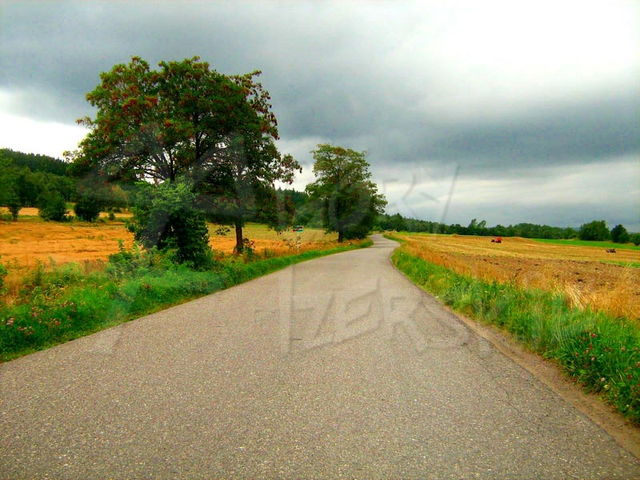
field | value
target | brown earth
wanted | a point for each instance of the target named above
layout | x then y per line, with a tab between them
576	271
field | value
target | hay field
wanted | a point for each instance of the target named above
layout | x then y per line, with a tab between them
30	241
581	273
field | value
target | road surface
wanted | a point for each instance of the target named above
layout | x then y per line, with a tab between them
333	368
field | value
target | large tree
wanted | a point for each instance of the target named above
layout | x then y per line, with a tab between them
187	120
619	234
596	230
348	199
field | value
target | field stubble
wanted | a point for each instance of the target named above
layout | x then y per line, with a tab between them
30	242
580	273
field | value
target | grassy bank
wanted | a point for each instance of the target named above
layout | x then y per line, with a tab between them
600	351
66	303
588	243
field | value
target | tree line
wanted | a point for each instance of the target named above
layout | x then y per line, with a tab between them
595	230
183	144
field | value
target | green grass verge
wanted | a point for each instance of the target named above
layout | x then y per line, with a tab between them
623	264
588	243
70	304
600	351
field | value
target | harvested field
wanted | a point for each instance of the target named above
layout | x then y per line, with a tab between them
30	241
581	273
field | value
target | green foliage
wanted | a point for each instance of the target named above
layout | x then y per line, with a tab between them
67	304
52	206
87	208
35	162
165	218
3	274
13	202
587	243
596	230
19	184
635	238
349	200
185	120
619	234
600	351
527	230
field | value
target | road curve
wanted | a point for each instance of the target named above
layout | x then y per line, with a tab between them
333	368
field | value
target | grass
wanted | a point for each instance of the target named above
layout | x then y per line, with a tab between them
623	264
585	276
588	243
600	351
30	242
67	303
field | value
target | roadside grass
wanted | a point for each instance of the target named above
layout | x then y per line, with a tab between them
586	276
600	351
67	303
588	243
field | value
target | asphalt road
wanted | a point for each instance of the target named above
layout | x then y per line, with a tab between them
334	368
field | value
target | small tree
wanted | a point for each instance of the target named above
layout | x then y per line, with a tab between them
87	208
14	204
619	234
349	200
635	238
165	217
52	206
596	230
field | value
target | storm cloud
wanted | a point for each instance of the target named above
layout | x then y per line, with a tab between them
526	112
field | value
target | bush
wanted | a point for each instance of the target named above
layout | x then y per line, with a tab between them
635	238
52	206
87	208
3	273
165	218
596	230
619	234
14	204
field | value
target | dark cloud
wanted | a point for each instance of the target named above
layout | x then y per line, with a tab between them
402	82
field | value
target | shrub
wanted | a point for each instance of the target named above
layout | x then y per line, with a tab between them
3	273
635	238
87	208
619	234
14	204
52	206
164	217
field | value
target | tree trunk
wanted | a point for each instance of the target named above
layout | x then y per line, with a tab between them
340	236
239	243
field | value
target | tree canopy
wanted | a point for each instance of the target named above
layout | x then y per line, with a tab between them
185	120
596	230
619	234
349	200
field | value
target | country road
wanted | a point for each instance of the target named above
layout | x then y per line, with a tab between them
333	368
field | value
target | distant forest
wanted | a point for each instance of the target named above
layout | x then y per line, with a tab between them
27	178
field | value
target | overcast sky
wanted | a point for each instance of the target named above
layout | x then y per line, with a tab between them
510	111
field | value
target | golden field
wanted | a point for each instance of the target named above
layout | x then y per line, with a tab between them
581	273
30	241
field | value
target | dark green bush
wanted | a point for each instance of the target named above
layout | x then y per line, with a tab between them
87	208
52	206
165	218
596	230
14	204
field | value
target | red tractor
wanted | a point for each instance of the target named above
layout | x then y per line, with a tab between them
496	240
